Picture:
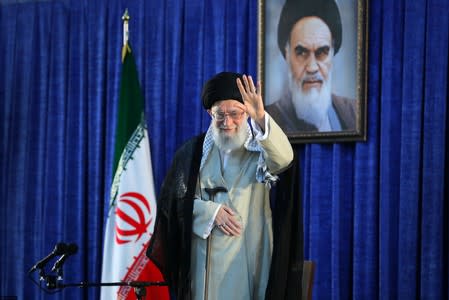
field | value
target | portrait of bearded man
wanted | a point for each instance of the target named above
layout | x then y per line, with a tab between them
309	36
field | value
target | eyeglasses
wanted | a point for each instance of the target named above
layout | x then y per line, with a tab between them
234	115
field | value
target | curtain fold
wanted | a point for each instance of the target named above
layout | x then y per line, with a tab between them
434	236
375	213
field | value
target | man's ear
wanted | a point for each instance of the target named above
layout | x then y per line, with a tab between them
209	111
287	48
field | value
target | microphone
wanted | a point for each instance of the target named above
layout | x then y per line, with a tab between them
59	249
71	249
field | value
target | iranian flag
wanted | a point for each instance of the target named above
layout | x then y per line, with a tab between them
132	211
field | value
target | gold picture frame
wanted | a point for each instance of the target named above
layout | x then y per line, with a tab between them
345	115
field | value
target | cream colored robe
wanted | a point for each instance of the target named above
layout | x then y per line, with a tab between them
239	265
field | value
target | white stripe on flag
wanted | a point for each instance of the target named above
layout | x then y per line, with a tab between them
131	221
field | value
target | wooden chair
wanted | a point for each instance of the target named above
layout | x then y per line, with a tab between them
308	274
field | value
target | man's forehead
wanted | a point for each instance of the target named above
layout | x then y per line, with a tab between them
310	31
227	105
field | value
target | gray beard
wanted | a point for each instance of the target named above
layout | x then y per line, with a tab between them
227	143
312	106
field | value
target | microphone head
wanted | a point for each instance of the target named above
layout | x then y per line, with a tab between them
60	249
71	249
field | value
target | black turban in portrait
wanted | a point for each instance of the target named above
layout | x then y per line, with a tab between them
294	10
222	86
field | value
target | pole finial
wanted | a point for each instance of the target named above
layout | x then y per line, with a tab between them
125	16
125	47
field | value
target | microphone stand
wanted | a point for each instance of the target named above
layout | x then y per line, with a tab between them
138	286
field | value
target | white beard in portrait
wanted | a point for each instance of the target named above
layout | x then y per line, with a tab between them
312	106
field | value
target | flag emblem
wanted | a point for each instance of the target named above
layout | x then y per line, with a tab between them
133	217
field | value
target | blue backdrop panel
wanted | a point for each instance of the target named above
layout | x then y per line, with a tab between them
375	213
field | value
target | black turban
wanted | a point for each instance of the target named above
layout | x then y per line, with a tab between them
294	10
222	86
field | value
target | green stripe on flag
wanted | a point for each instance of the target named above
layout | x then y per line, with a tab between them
131	105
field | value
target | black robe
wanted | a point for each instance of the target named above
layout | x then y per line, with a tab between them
170	245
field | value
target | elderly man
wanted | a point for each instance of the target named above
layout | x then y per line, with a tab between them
214	237
309	35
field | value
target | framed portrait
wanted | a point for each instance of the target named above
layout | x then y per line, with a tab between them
312	61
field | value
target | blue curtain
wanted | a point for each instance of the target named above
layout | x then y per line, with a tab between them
375	213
